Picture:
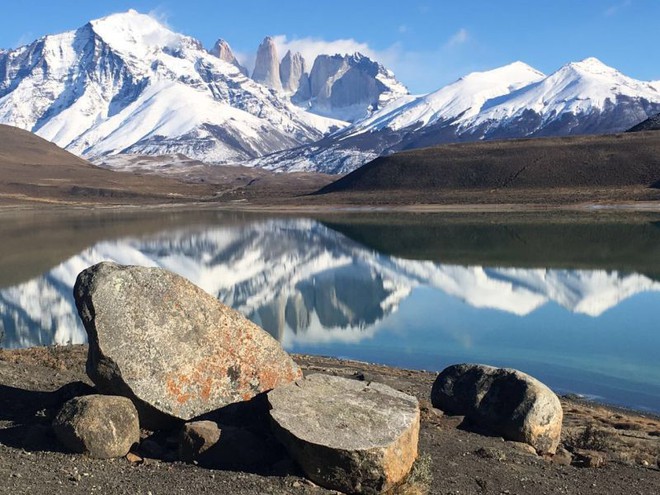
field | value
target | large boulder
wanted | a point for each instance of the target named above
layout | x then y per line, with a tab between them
175	350
102	426
346	435
502	401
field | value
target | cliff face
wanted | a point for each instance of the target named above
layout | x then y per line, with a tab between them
293	74
341	87
267	66
348	87
223	51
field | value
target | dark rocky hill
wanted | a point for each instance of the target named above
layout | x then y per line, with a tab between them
650	124
587	162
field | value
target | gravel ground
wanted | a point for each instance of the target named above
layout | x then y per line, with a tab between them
625	444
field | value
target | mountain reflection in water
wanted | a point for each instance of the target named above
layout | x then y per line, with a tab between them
318	290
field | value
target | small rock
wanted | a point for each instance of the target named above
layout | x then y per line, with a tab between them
588	458
503	401
490	453
347	435
562	457
134	458
101	426
524	447
209	445
172	348
196	438
428	411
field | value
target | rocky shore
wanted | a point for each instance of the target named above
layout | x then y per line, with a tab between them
602	450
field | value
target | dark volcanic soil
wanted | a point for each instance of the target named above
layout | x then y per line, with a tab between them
453	460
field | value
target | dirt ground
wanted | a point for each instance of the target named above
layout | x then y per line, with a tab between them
624	445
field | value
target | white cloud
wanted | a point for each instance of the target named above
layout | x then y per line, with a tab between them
310	48
161	15
24	39
458	38
422	71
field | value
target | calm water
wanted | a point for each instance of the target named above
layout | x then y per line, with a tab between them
574	303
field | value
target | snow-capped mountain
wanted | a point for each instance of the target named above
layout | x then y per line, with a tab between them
128	84
302	280
513	101
580	98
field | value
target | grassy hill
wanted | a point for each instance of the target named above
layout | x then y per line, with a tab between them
33	169
584	162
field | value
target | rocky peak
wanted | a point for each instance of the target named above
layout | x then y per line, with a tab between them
350	87
223	51
267	66
293	74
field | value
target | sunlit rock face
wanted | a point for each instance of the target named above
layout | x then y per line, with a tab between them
348	87
267	66
223	51
293	74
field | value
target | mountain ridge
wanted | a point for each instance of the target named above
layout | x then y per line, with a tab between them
126	84
513	101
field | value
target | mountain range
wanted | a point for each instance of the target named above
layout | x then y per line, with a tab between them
126	84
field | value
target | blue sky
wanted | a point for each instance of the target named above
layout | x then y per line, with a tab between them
428	43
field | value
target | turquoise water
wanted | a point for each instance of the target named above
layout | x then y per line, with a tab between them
570	302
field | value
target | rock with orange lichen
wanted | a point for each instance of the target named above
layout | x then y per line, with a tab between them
173	349
503	401
347	435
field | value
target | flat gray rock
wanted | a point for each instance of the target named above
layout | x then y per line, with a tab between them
101	426
351	436
175	350
504	401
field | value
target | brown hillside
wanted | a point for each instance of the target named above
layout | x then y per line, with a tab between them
33	169
587	162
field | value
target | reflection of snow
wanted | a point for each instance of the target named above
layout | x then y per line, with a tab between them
303	282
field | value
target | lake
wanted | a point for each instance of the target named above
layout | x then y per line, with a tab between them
571	299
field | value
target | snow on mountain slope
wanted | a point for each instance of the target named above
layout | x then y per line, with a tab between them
513	101
462	99
303	282
126	83
383	131
585	88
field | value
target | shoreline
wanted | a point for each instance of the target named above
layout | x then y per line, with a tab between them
354	364
340	208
